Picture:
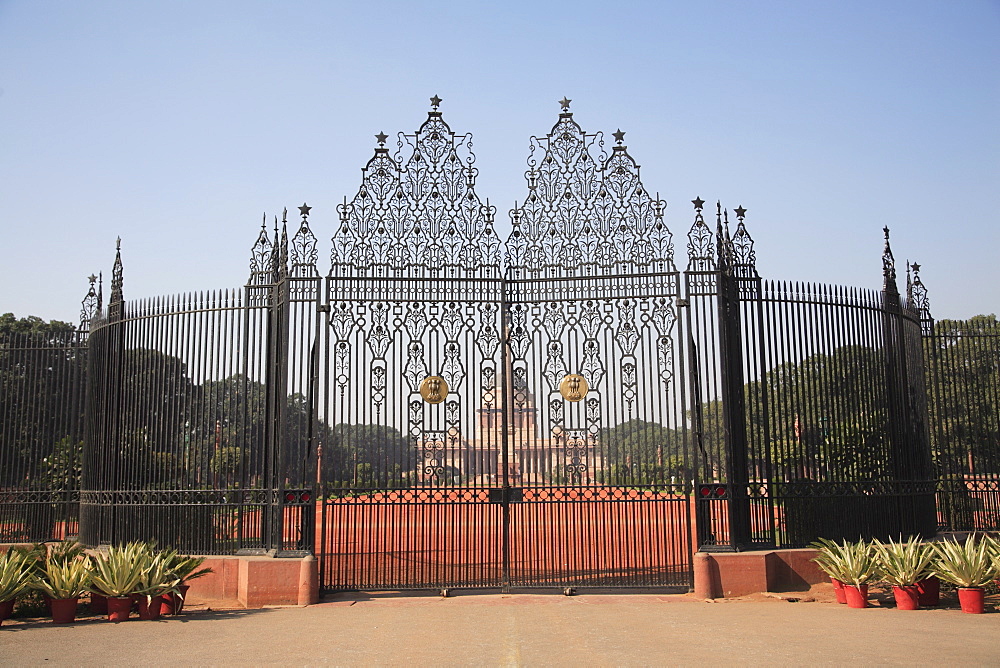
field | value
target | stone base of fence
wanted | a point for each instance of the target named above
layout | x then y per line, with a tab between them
732	574
256	581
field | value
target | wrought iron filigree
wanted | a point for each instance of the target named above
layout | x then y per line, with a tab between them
89	305
303	249
701	246
417	212
586	212
888	264
116	305
262	257
916	292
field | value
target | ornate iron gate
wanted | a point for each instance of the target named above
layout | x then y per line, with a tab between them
504	421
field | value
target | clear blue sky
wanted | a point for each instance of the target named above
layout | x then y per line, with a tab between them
177	124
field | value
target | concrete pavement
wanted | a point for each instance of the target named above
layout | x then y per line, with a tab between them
520	630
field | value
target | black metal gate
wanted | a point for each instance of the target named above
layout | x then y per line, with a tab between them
504	421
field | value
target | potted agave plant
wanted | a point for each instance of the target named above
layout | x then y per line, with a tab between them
969	566
851	564
903	565
157	580
117	574
185	569
64	582
16	578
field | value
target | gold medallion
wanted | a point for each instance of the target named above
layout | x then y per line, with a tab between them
434	389
573	387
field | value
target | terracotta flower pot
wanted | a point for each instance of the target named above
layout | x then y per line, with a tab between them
179	600
64	610
971	599
98	604
907	597
929	592
6	609
838	590
857	596
119	608
167	603
149	608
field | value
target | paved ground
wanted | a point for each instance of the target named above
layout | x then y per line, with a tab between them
520	630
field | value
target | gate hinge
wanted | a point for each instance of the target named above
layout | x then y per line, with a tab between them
506	495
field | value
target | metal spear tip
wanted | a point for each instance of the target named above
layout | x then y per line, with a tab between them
699	203
304	210
564	103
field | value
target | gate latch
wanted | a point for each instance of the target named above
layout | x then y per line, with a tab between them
506	495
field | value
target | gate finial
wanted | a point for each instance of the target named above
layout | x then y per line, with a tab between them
436	102
888	265
564	103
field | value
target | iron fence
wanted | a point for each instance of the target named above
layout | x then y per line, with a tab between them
568	407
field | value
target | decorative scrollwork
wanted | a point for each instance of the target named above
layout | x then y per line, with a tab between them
416	369
701	242
262	257
519	337
89	306
488	338
888	264
379	337
585	211
417	212
555	367
453	370
303	248
916	292
627	335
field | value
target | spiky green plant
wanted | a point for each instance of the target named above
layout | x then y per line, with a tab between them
16	574
904	563
118	571
66	550
969	564
186	568
851	563
157	576
66	579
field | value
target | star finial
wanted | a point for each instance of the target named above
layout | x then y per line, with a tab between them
698	203
435	102
304	210
92	279
740	212
916	268
381	137
619	136
565	103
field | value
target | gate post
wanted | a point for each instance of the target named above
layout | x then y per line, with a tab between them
733	402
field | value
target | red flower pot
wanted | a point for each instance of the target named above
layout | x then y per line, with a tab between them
6	609
167	603
64	610
857	597
179	600
149	608
119	608
929	592
907	597
838	590
98	604
971	599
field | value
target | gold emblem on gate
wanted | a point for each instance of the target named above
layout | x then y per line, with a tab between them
434	389
573	387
